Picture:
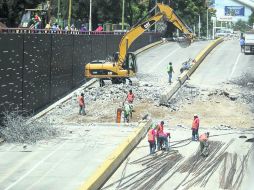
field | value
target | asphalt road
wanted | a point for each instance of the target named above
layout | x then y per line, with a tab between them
224	63
154	61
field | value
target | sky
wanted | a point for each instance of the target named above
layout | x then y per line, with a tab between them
221	4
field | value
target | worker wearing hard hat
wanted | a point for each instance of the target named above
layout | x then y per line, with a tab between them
195	127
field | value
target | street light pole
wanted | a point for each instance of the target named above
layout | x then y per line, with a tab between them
123	14
207	29
69	17
58	11
90	17
199	26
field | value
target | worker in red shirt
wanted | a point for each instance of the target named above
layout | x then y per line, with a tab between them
81	102
130	97
195	127
162	137
203	139
151	139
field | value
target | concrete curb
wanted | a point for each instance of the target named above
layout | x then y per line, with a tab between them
108	167
183	77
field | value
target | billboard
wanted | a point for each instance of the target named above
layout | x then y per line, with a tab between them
234	10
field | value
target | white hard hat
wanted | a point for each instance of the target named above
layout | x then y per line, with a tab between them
195	115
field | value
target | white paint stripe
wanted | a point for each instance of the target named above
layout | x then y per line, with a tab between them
33	168
233	70
157	64
53	167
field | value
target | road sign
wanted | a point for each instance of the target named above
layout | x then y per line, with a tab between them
225	18
234	10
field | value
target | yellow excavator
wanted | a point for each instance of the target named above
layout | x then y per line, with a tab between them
123	65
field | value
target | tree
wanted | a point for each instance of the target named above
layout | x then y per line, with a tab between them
14	10
241	25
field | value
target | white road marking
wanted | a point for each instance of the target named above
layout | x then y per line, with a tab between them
233	70
33	168
50	170
157	65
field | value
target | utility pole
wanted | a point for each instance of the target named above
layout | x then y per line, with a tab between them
199	26
123	15
90	17
207	29
58	11
69	17
155	26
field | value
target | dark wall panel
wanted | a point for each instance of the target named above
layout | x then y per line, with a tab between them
98	47
112	44
61	65
11	59
36	85
82	54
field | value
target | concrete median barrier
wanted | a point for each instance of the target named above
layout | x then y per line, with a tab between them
184	76
108	167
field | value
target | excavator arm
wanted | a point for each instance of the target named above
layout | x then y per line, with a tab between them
133	34
124	64
164	12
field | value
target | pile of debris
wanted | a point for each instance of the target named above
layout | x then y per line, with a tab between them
142	91
17	129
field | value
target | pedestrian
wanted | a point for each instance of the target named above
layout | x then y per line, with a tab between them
195	127
242	43
151	139
162	137
170	71
81	102
203	139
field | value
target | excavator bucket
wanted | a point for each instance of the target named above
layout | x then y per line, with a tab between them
183	41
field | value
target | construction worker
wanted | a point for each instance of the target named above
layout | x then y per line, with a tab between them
81	102
127	112
162	137
151	139
170	71
195	127
130	97
203	139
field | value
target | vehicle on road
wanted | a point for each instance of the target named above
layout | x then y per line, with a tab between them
249	42
122	65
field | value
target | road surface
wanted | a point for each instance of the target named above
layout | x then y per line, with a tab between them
230	162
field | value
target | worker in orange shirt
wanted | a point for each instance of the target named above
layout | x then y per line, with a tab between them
203	139
81	102
195	127
130	98
151	139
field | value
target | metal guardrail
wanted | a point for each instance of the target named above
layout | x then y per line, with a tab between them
51	31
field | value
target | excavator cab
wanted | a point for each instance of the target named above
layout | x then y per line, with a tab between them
129	63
